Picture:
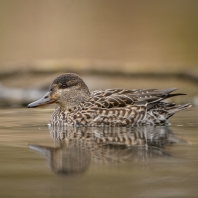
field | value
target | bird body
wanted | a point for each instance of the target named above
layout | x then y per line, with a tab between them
77	106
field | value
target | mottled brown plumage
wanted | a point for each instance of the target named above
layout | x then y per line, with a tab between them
113	107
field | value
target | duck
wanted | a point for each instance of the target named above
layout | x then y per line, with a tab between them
77	106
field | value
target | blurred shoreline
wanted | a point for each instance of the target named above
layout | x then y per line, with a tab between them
105	68
21	85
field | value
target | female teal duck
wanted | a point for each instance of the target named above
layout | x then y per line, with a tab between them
113	107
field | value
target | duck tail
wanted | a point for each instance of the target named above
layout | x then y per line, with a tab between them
177	108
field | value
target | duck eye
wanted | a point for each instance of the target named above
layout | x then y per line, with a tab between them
63	86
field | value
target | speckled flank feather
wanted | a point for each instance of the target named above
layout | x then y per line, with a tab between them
118	116
112	107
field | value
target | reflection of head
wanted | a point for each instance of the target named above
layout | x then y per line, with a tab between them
68	159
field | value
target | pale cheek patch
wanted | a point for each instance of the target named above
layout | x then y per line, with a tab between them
56	95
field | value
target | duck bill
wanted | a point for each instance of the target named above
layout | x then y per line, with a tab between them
43	101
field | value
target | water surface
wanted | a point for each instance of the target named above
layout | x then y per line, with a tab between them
37	161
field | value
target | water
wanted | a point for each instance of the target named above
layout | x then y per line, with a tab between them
37	161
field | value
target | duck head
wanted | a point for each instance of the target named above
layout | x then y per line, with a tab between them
67	90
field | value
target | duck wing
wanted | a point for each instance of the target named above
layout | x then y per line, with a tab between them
113	98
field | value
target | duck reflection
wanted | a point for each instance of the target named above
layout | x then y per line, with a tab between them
75	148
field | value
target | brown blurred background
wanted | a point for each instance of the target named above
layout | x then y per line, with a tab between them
105	36
160	34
